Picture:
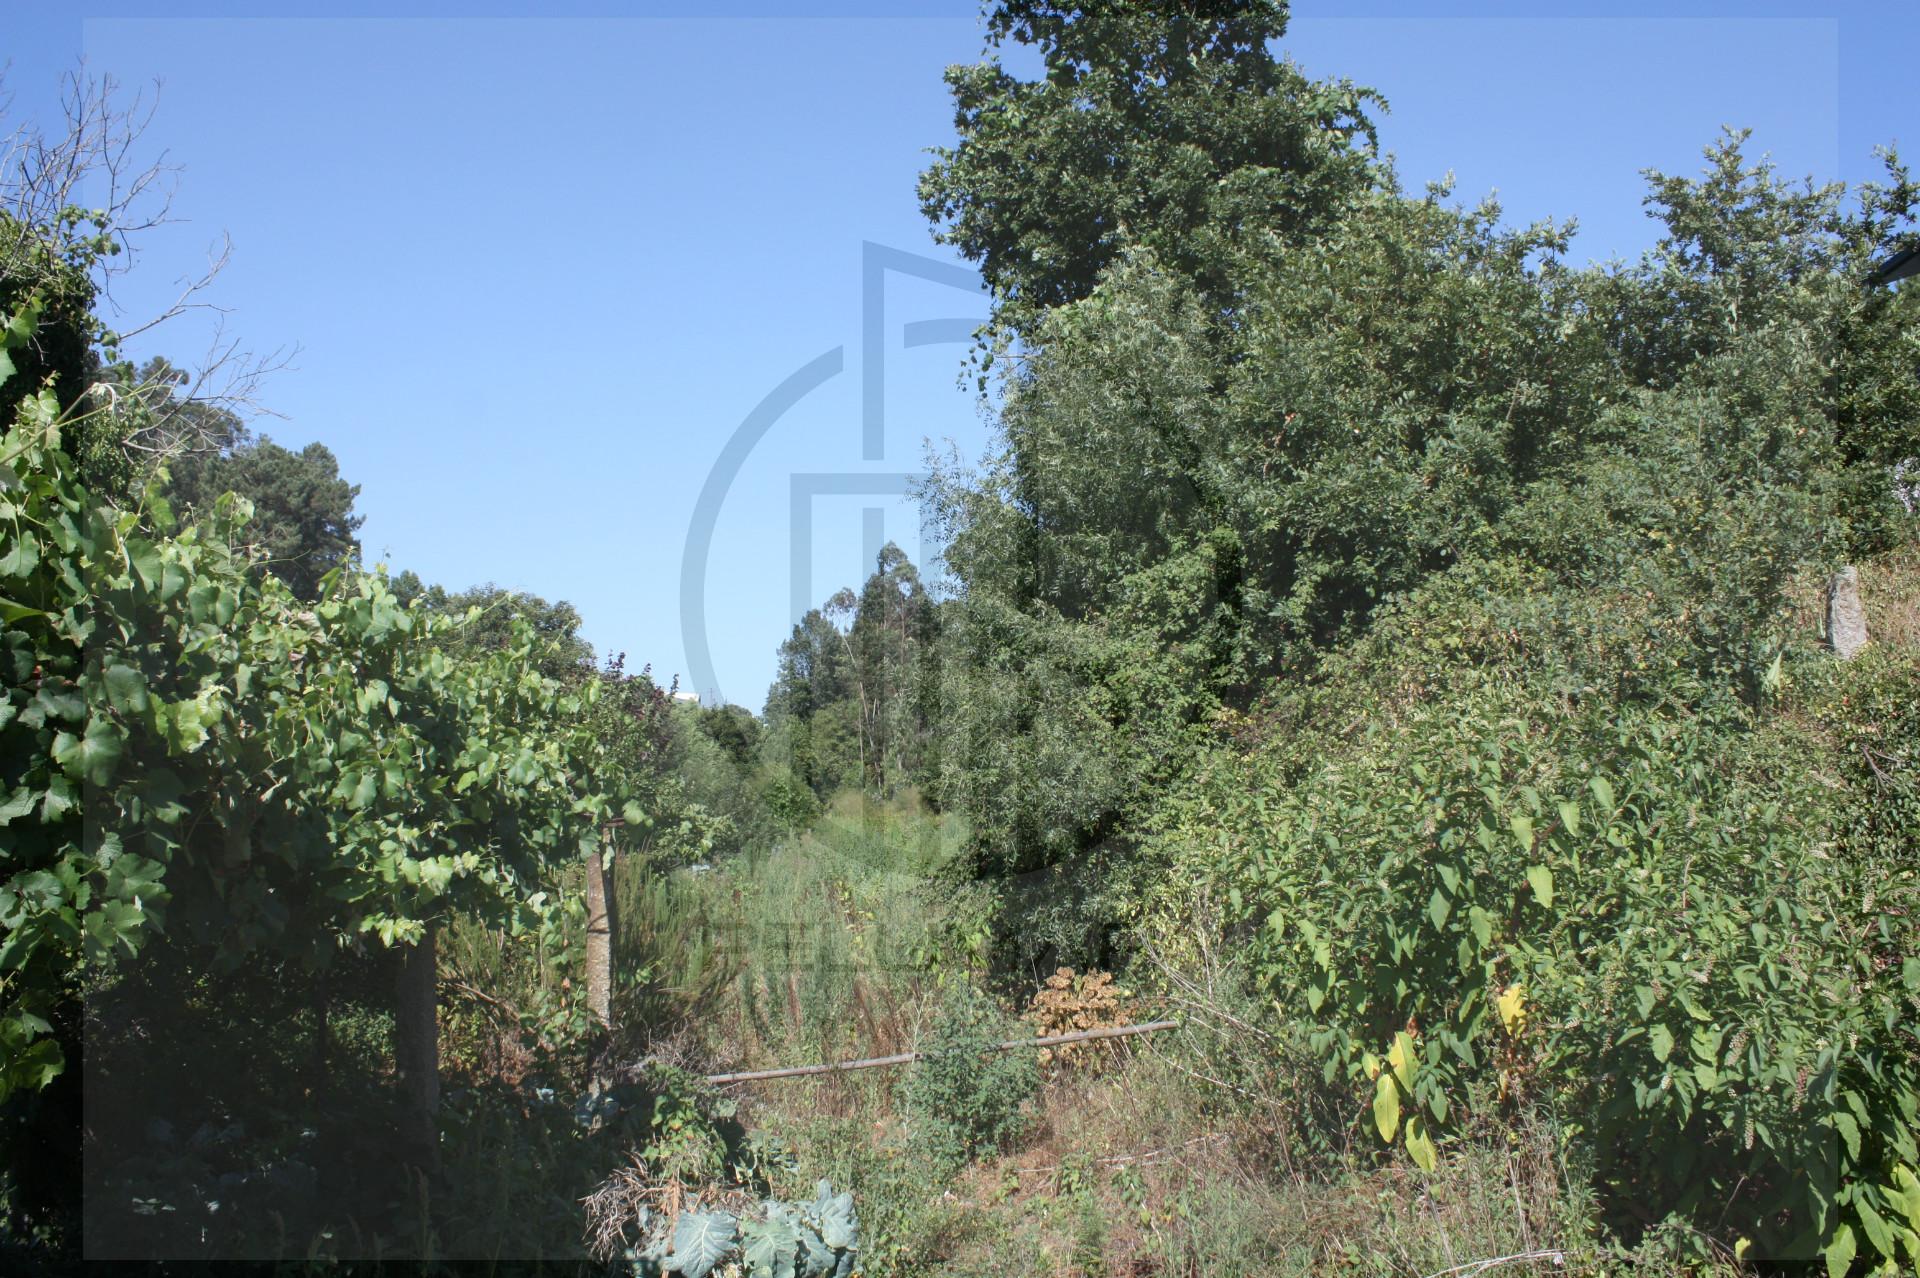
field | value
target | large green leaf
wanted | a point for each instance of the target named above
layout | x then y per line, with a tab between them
1540	879
770	1245
1879	1233
1840	1252
1403	1060
1420	1144
93	757
1522	826
126	687
701	1240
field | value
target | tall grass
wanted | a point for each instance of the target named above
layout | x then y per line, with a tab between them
811	949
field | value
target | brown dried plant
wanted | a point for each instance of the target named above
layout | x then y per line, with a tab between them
1070	1001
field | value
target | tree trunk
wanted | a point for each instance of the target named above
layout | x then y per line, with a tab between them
600	936
417	1046
319	1005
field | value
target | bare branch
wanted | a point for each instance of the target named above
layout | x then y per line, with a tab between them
43	179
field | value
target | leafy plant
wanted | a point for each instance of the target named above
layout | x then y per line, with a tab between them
816	1238
965	1098
1487	901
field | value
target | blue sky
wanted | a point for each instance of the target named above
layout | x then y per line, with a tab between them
542	270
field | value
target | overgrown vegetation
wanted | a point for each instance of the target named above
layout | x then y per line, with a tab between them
1379	646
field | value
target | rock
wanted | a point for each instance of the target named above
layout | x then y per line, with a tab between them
1846	618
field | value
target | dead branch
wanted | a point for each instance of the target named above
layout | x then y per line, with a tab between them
903	1058
46	179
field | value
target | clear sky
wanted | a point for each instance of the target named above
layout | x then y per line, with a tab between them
545	271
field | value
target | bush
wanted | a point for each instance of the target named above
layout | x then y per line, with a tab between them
1486	885
965	1098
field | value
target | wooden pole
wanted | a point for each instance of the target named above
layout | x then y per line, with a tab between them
417	1046
599	956
903	1058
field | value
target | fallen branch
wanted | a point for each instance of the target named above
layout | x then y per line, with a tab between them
903	1058
1481	1266
481	996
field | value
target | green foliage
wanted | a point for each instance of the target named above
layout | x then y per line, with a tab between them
52	339
714	789
1500	885
1479	560
303	522
491	613
965	1098
850	703
182	741
809	949
734	730
1197	492
815	1238
1175	130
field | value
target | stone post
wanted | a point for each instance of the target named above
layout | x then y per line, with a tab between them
1846	618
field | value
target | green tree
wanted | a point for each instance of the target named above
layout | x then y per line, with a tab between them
850	703
1195	493
735	730
1169	128
303	510
490	614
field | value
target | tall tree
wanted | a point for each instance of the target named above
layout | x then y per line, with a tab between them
1167	127
496	611
1262	391
846	704
303	520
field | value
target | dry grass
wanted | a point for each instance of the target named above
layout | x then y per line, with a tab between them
1138	1172
1890	593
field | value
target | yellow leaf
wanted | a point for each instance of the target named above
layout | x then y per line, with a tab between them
1512	1005
1386	1107
1420	1145
1401	1060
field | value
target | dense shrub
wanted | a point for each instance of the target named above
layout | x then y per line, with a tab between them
1488	883
965	1098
